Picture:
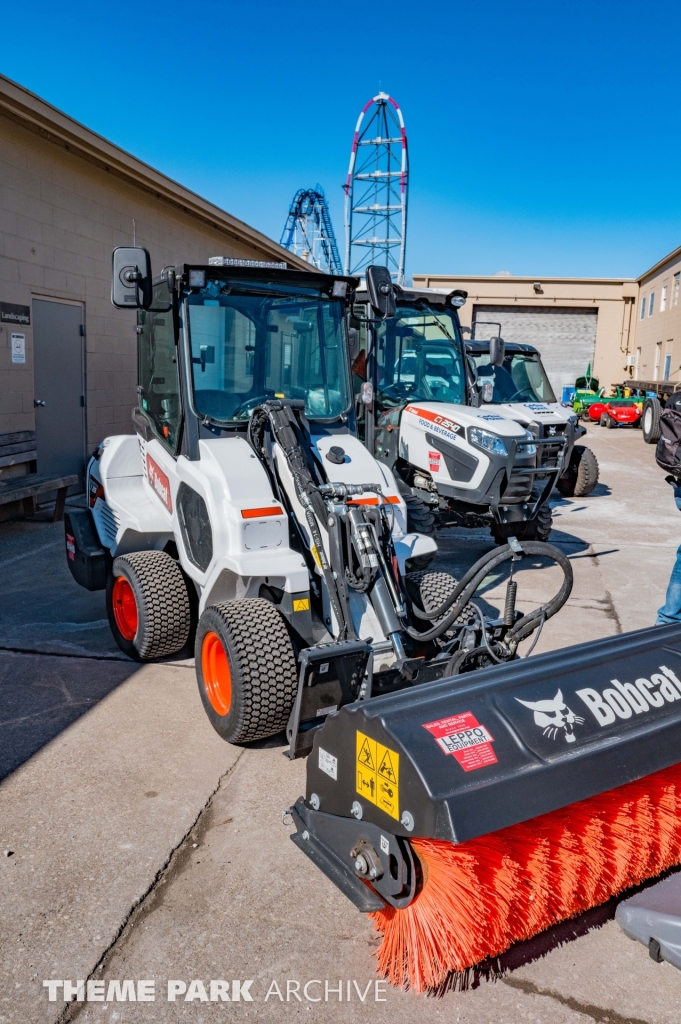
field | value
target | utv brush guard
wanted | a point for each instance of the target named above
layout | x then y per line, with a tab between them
466	756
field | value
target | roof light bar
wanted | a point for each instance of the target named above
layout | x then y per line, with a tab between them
228	261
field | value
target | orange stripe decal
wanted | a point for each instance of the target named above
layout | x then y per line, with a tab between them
257	513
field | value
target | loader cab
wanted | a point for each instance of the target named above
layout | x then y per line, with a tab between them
224	338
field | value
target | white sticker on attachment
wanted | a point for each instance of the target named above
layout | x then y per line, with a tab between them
328	763
385	844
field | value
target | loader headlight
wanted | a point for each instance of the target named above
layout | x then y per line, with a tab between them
527	449
490	442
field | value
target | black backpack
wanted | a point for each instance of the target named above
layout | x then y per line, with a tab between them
668	451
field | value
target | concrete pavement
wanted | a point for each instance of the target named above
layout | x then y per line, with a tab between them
144	848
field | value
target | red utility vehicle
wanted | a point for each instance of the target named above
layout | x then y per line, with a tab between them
615	412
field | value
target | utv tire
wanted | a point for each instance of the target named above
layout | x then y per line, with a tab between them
419	517
245	669
538	528
603	422
582	474
611	423
148	606
429	590
650	421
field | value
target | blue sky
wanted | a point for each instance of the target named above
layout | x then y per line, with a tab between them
543	136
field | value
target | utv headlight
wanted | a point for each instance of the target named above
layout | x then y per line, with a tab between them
490	442
527	449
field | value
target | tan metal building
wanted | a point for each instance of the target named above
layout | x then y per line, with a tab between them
656	345
573	322
67	197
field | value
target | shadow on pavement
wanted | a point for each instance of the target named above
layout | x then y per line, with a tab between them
41	695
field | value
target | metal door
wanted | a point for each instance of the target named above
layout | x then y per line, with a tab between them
59	394
565	336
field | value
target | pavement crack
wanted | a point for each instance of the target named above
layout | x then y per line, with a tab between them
72	1010
597	1013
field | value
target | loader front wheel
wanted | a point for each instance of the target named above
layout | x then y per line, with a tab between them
245	669
148	605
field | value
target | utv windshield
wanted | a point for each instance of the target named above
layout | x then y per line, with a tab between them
419	356
522	378
252	341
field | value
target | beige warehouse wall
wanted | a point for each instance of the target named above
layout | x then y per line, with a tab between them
60	217
614	300
659	334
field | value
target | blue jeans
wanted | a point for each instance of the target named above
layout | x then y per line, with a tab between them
671	609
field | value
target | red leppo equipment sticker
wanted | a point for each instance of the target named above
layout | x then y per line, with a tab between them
464	737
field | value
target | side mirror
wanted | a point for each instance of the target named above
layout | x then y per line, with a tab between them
497	351
381	291
131	278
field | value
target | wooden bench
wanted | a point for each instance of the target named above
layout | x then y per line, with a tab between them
25	489
17	447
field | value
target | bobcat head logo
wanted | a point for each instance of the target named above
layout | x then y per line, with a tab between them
553	715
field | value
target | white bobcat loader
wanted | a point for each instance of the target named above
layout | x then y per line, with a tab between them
245	516
457	460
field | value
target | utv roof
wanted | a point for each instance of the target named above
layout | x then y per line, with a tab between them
481	347
433	296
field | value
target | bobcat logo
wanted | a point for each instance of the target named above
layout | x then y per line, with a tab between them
553	715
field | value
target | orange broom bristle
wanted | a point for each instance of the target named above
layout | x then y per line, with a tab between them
481	896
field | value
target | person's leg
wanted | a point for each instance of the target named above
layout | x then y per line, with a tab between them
671	609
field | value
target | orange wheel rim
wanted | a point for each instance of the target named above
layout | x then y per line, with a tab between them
125	608
217	677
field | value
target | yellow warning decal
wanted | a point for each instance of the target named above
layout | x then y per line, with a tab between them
316	556
378	774
302	604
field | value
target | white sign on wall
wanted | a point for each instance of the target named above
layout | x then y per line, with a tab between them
18	348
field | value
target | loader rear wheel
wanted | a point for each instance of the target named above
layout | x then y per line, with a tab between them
429	590
245	669
419	517
582	473
148	605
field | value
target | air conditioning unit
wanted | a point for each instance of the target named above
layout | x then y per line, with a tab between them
630	361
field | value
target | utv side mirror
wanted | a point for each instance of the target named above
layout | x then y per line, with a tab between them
497	351
381	291
131	278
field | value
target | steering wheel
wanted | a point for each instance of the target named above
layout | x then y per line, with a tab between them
250	404
520	395
398	391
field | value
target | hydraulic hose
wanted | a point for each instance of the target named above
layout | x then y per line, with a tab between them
466	588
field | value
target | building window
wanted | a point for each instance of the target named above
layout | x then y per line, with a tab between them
658	358
643	307
637	367
651	304
667	366
675	293
663	300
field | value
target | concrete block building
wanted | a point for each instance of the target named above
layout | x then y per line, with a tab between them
67	357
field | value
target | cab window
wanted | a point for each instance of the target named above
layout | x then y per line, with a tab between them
157	372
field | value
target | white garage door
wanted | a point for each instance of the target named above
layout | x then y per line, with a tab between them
564	336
